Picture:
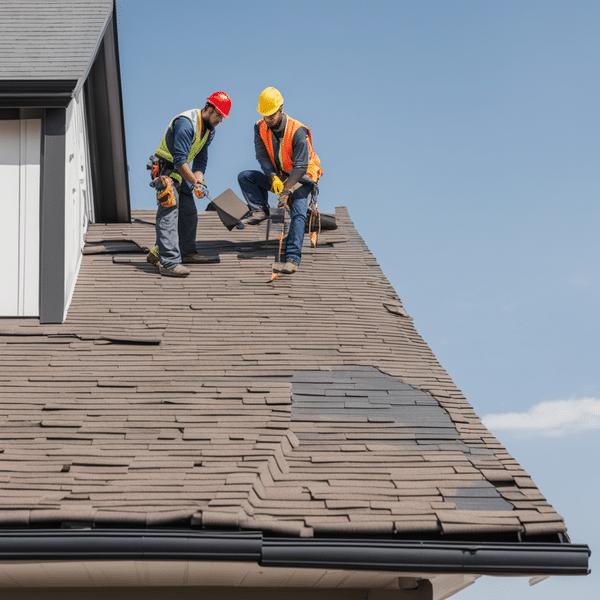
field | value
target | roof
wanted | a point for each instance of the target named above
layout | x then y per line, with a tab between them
307	406
56	40
50	54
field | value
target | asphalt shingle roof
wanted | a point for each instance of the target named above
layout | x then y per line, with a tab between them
54	40
304	406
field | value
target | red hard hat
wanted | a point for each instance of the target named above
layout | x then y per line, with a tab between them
222	102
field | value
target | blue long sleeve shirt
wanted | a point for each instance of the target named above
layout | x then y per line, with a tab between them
179	141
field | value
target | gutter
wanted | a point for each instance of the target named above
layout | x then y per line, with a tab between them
428	556
36	93
516	559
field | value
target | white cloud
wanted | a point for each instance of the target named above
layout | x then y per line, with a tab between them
554	418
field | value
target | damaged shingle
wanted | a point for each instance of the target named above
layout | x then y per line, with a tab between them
298	406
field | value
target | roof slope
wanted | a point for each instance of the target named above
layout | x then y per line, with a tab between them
50	40
305	406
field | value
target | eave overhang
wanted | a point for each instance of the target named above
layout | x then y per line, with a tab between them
36	93
508	559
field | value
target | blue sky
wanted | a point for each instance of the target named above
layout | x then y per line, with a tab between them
464	138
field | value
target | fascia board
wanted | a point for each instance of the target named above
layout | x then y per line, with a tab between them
36	93
94	54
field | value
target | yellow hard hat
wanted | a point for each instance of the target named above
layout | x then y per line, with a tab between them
269	102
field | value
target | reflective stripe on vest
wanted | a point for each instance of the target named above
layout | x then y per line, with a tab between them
313	170
197	143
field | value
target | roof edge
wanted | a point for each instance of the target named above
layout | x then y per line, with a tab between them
94	54
501	558
17	93
518	559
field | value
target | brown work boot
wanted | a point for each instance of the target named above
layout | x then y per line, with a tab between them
255	217
290	267
153	257
176	271
194	258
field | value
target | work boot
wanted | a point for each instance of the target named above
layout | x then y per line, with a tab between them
194	258
255	217
290	267
176	271
153	257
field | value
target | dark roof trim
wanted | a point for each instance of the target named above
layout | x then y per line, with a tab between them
52	217
99	40
106	130
39	93
129	544
440	557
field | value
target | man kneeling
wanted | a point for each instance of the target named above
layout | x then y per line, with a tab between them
290	169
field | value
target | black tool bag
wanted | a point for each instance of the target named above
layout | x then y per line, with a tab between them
159	166
328	221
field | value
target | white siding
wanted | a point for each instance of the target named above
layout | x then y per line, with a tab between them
20	223
78	192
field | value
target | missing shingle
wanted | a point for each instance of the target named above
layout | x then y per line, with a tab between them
65	469
113	246
505	484
134	341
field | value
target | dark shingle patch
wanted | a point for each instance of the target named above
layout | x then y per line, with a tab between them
415	412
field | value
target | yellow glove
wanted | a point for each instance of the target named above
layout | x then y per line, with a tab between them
277	185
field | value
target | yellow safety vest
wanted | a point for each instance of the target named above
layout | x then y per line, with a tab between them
197	143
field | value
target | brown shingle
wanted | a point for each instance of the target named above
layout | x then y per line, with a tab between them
307	404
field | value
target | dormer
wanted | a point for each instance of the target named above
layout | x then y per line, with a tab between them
63	159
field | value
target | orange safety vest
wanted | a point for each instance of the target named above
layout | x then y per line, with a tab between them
314	170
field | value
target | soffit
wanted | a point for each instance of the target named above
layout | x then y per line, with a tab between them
206	574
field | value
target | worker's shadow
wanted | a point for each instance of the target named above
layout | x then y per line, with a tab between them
127	252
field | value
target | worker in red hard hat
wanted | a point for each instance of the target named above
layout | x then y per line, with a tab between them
178	168
290	168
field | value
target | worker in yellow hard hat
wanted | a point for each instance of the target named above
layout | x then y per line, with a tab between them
290	168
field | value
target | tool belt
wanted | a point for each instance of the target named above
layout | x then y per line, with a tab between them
160	169
159	166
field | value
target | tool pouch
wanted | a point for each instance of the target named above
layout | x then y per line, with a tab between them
159	166
154	166
165	195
